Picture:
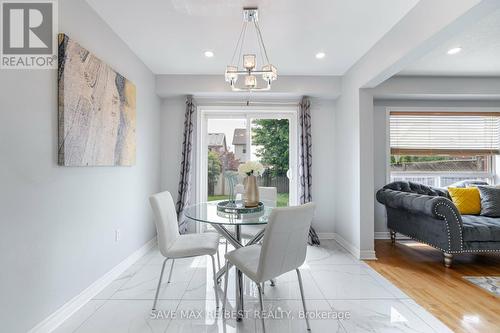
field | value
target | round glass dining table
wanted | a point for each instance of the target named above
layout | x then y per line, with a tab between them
206	212
228	224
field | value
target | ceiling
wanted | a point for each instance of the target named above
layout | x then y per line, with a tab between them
480	55
170	36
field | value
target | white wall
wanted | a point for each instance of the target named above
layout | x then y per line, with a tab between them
322	113
353	161
57	223
323	163
381	131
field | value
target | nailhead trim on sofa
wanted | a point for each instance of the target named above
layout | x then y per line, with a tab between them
448	226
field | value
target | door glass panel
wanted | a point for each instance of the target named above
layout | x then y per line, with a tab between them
227	146
270	146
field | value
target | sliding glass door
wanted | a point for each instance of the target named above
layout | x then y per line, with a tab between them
232	136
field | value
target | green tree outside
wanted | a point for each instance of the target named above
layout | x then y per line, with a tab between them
214	170
272	136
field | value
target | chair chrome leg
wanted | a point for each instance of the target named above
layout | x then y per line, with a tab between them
215	283
261	308
226	276
225	251
303	300
159	284
218	259
171	270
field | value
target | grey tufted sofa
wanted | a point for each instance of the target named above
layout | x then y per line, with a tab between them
426	214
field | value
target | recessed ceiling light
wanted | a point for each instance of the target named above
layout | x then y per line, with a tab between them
454	50
320	55
209	54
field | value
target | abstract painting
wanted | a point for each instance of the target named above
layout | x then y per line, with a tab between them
97	111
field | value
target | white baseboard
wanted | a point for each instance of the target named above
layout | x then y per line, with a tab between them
64	312
367	255
357	253
387	235
326	235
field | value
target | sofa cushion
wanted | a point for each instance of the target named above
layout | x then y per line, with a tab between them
480	228
467	200
490	201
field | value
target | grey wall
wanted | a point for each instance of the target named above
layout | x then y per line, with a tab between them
323	191
380	145
172	124
322	113
57	224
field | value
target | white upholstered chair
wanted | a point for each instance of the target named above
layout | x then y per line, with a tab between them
173	245
283	249
269	196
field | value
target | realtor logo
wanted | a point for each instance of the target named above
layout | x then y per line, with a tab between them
28	34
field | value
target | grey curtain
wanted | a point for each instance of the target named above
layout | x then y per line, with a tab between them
305	159
184	192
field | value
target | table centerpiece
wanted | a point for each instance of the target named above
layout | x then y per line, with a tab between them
250	170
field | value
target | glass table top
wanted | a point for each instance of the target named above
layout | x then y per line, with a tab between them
206	212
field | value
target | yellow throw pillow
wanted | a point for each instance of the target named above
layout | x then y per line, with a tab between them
467	200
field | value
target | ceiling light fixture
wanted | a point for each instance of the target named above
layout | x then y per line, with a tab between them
249	69
320	55
209	54
454	50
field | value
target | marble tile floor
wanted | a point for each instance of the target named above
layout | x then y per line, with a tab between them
342	295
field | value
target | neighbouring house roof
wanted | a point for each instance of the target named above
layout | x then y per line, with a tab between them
240	136
217	140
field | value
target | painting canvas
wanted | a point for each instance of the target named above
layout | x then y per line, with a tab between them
97	111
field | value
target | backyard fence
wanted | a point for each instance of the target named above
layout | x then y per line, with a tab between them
280	182
267	180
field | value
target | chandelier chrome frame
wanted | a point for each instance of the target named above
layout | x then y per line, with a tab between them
269	72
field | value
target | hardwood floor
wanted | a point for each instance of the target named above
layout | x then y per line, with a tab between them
418	270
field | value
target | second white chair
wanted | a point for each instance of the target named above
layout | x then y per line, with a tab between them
269	196
283	249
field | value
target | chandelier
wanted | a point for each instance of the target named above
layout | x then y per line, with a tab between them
249	66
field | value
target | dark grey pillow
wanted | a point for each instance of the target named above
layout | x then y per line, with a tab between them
490	201
468	183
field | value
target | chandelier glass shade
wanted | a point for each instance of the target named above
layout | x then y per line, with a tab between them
268	73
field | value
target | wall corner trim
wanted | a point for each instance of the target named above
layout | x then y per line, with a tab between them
67	310
357	253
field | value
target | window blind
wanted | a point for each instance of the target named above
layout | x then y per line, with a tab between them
444	133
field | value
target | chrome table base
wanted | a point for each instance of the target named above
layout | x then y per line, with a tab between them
235	240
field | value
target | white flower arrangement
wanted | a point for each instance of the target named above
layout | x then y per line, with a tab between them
251	168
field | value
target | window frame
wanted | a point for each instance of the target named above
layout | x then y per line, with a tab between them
491	175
